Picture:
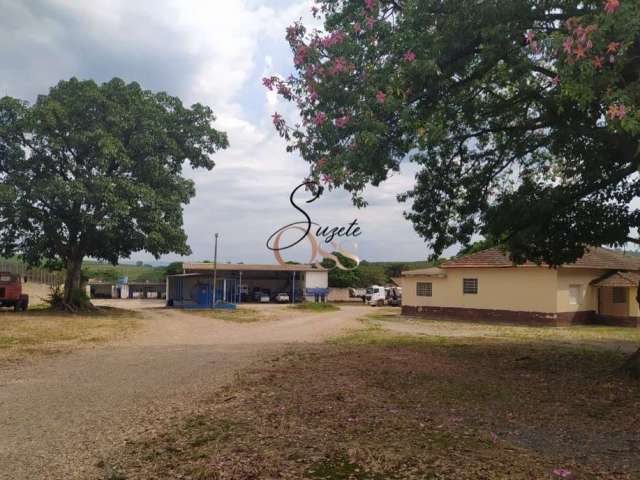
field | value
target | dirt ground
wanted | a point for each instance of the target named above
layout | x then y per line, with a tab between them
61	416
377	405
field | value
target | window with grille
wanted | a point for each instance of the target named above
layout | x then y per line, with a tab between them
619	295
470	285
424	289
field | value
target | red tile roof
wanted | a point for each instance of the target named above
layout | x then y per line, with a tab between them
601	258
618	279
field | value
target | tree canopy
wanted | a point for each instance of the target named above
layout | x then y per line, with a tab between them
523	116
95	171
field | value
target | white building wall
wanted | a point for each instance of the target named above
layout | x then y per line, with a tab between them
316	279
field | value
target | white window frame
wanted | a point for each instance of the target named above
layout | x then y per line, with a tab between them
428	289
577	298
469	286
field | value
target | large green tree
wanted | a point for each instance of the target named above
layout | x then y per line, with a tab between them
95	171
523	116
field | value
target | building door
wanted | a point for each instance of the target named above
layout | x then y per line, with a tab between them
203	295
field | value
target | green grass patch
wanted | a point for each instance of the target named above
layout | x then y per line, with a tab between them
238	315
316	307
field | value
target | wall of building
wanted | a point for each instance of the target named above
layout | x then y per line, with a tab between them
525	289
608	307
634	308
317	279
342	295
588	299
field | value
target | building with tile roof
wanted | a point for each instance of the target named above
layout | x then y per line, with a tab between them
600	287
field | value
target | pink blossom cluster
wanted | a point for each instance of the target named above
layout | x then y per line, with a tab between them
530	39
319	118
295	32
330	40
409	56
617	111
299	57
339	66
342	122
611	6
578	45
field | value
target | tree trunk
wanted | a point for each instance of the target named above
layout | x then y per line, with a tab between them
72	279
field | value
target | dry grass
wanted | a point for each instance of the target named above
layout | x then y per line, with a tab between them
259	313
240	315
576	335
374	405
42	331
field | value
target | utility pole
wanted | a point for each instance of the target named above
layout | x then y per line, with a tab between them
215	269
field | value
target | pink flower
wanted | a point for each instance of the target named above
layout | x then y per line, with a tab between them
617	111
326	179
409	56
611	6
342	122
556	81
580	53
319	119
597	62
370	22
333	39
284	90
301	51
613	47
529	36
268	82
380	96
340	65
357	27
278	121
567	45
562	472
369	4
313	95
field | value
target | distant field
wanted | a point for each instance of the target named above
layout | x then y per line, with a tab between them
136	273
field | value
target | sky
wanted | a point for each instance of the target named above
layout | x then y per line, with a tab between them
214	52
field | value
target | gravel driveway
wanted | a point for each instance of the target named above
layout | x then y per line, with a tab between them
61	416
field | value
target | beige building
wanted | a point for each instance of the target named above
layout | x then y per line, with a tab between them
601	287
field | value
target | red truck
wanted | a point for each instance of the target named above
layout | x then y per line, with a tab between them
11	292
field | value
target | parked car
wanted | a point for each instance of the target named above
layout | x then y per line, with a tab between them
282	298
264	298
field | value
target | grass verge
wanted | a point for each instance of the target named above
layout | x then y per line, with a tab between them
239	315
43	331
576	335
375	405
316	307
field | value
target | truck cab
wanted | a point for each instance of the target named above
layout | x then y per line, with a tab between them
11	292
375	296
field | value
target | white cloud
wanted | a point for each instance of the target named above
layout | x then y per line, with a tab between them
214	52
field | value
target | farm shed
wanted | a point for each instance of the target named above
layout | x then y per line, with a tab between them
242	283
147	290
